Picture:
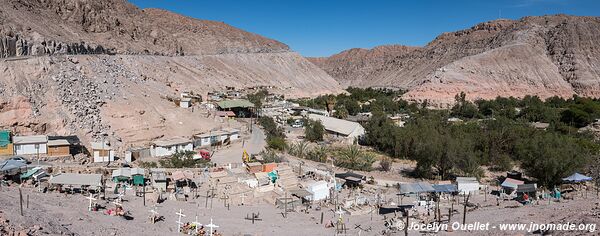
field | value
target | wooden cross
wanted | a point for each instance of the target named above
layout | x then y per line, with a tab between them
211	226
179	223
91	198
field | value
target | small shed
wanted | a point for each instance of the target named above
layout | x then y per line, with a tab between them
467	185
59	147
159	178
319	190
185	102
102	152
137	153
30	145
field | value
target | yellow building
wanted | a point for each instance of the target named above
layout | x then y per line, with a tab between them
6	150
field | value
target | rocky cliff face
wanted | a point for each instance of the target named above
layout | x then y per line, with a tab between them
107	68
47	27
544	56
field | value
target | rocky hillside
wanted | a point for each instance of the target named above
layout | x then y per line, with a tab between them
107	68
38	27
545	56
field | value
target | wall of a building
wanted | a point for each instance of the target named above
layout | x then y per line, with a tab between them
29	149
7	150
58	151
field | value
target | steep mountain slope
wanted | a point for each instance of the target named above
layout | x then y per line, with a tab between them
107	68
545	56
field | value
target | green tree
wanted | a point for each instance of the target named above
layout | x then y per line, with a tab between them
463	108
313	130
550	157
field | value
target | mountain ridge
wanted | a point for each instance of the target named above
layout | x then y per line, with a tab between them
562	49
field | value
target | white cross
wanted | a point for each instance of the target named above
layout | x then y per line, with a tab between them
211	226
179	223
91	198
117	203
197	224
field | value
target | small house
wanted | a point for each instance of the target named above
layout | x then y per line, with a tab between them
467	185
6	146
59	147
170	146
102	152
30	145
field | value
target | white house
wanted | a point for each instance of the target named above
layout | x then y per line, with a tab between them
215	137
348	130
319	190
29	145
467	185
170	146
102	152
233	134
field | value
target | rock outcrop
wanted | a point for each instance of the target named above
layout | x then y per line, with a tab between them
47	27
545	56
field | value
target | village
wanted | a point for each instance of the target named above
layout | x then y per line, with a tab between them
223	182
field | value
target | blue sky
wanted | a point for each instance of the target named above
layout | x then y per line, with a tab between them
325	27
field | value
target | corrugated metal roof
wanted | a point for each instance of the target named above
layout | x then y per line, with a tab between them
77	179
445	188
30	139
101	146
172	141
466	180
243	103
419	187
336	125
58	142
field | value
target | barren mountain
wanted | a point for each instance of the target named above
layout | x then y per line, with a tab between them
544	56
107	68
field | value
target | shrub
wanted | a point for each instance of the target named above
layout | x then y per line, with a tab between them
277	143
385	163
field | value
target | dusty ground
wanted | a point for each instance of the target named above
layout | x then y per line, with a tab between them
59	213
